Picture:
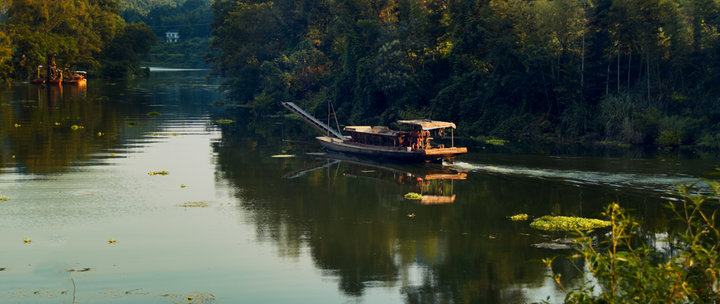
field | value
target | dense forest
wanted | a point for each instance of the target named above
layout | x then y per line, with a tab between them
82	34
614	71
190	18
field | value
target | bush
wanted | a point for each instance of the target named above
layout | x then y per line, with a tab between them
628	272
669	138
615	112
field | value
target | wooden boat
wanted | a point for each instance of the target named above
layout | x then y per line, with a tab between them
381	142
76	78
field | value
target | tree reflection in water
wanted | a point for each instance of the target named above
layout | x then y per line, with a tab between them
352	218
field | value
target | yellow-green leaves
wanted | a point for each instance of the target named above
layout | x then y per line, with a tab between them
413	196
519	217
567	223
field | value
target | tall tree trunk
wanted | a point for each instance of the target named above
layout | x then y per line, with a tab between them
582	54
607	81
629	69
547	97
647	63
618	68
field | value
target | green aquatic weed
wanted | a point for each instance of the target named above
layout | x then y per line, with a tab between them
224	121
567	223
413	196
519	217
194	204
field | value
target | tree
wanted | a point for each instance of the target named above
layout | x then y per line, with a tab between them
122	56
74	31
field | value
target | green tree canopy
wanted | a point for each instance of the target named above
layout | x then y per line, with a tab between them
509	68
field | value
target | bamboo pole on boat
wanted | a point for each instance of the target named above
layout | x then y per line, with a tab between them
452	137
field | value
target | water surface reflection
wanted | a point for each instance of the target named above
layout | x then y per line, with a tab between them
231	222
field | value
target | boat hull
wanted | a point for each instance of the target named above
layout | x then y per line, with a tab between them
76	82
435	155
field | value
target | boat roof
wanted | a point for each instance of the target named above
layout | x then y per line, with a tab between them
377	130
428	124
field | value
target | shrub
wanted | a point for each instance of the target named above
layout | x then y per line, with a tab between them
628	272
669	138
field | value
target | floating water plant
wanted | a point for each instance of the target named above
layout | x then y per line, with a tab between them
194	204
153	114
224	121
519	217
413	196
567	223
158	173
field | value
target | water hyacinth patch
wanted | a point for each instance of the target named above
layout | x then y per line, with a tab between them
194	205
413	196
158	173
567	223
519	217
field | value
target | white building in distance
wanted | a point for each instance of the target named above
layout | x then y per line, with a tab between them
172	36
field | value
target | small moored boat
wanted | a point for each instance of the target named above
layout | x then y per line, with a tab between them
414	145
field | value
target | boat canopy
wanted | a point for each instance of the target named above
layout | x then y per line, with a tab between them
376	130
428	124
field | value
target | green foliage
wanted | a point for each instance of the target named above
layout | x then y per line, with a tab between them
669	138
122	57
143	7
519	217
514	69
567	223
6	67
413	196
186	53
82	34
628	271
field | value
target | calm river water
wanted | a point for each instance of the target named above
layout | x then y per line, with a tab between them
253	212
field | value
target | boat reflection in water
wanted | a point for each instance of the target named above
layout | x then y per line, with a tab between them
434	183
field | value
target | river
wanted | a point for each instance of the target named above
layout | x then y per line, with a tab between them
136	191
